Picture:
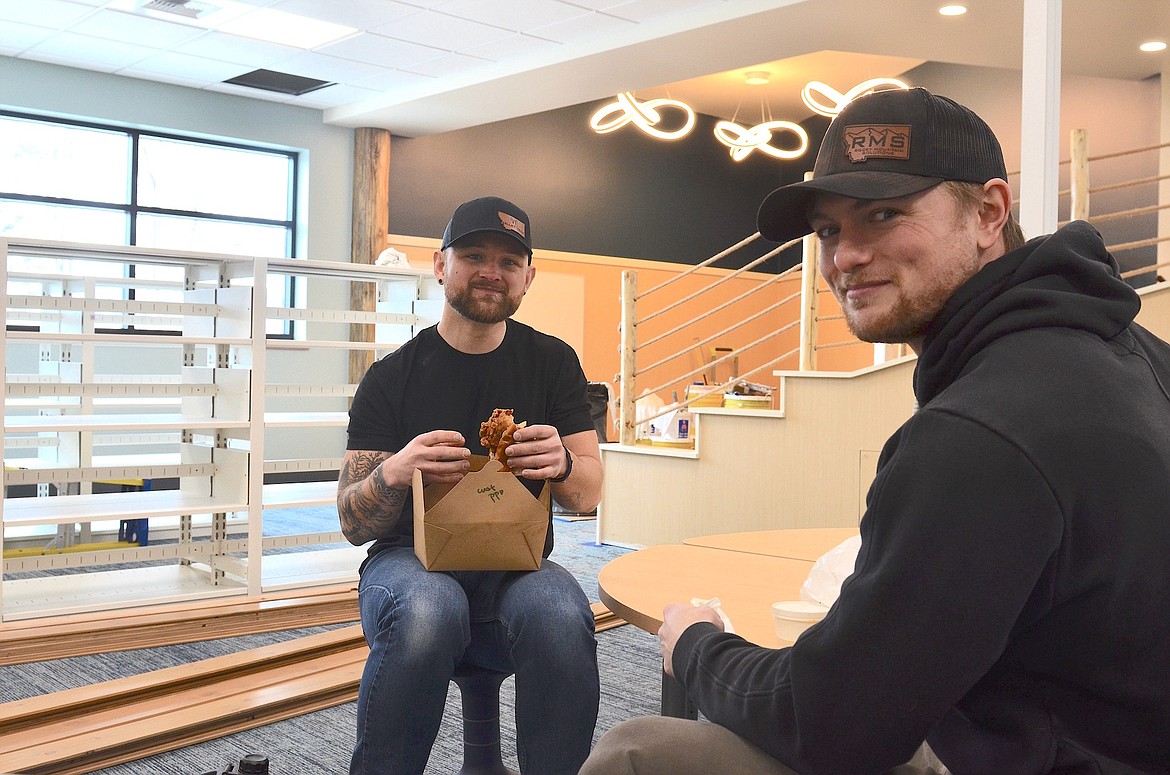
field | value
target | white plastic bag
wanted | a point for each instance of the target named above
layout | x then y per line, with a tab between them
823	584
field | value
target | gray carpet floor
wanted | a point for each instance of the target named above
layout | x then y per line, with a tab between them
320	742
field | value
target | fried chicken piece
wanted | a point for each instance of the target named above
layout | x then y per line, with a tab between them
498	432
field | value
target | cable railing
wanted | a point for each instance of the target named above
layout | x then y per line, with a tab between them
751	309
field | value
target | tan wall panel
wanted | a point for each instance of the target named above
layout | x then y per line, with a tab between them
761	471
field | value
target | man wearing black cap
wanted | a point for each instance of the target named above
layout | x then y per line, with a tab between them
421	408
1008	604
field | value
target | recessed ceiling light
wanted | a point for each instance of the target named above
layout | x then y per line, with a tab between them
286	28
756	77
953	10
1153	45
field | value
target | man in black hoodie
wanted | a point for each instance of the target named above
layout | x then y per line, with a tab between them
1008	607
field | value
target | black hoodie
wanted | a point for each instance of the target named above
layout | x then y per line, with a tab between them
1011	599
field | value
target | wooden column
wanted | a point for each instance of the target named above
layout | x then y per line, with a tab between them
371	218
809	305
627	382
1079	175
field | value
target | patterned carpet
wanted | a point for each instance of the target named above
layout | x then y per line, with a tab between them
320	742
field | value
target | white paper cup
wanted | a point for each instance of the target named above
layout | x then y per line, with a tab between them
792	617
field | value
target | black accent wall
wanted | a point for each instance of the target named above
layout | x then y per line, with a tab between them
619	194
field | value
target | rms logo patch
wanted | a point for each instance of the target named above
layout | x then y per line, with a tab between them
881	141
511	223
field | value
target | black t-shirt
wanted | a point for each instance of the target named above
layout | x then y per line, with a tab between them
427	385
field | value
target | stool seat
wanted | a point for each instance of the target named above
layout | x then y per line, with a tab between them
479	689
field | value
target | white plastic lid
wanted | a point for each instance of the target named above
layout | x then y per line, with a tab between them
799	611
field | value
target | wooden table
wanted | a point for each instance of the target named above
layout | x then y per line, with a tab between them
798	544
638	585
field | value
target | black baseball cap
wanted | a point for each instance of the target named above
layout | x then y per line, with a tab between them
489	213
884	145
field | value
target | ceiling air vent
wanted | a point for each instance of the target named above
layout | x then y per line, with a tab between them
186	8
283	83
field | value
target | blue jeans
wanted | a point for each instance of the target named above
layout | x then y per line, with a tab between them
421	624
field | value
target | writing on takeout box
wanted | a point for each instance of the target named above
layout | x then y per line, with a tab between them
492	492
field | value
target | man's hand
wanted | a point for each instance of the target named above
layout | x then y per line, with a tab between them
537	452
441	456
373	485
676	618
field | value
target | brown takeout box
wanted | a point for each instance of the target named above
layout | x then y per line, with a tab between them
487	521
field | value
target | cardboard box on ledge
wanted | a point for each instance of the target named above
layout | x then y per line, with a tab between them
487	521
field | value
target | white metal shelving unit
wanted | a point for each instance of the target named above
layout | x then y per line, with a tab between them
315	407
135	365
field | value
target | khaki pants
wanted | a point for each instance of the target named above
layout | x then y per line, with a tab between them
661	745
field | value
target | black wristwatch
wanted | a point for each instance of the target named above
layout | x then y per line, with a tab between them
568	468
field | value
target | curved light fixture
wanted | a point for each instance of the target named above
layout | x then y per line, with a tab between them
1153	45
645	115
839	100
759	138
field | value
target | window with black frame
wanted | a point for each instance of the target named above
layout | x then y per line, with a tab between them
86	182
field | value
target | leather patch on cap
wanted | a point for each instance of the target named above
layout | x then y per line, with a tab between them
882	141
511	222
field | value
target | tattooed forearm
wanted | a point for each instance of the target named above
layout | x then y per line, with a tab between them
367	505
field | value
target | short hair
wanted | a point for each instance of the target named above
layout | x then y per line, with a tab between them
970	195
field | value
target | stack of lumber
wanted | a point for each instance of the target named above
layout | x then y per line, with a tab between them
92	727
34	640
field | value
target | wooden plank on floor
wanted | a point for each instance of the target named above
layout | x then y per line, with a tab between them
59	637
92	727
21	715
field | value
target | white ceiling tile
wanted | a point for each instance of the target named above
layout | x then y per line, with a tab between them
233	48
441	30
331	96
176	79
15	38
56	14
447	65
388	79
649	10
86	51
595	5
363	14
593	25
249	92
512	47
380	50
517	15
312	64
190	68
138	30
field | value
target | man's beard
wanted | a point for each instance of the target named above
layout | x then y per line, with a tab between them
487	311
905	322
